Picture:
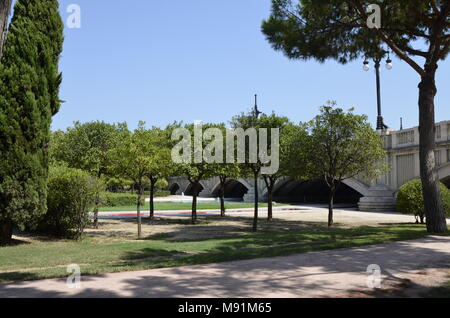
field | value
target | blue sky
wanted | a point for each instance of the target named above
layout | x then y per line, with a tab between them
161	61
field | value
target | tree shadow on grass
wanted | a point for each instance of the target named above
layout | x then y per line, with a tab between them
216	227
332	273
15	242
323	274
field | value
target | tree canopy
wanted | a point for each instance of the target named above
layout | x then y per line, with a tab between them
341	146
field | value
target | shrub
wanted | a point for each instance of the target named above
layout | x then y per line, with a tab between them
159	193
410	199
111	199
119	199
71	195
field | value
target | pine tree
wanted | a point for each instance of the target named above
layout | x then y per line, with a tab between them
417	31
29	98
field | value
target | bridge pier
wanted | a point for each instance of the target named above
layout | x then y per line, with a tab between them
378	199
205	193
249	197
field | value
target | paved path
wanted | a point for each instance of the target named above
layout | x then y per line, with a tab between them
317	274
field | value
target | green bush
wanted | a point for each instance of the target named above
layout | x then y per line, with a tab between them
111	199
71	195
119	199
410	199
158	193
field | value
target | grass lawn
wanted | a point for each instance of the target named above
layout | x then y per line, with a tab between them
40	258
165	206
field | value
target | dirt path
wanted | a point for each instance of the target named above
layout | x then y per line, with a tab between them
414	265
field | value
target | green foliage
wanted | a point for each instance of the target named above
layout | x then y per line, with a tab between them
293	157
141	155
342	145
29	89
110	199
70	198
196	171
86	146
119	199
118	184
337	29
410	199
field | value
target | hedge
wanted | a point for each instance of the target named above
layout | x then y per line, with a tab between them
111	199
410	199
71	195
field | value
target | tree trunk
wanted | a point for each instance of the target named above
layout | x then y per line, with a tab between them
152	203
255	218
97	200
222	200
269	203
422	219
194	204
139	220
330	207
5	9
96	208
434	209
6	229
194	208
223	180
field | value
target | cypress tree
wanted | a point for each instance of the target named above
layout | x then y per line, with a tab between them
29	90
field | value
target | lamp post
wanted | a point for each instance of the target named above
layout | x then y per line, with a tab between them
377	60
256	111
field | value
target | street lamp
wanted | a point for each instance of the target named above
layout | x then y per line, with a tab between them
366	66
256	111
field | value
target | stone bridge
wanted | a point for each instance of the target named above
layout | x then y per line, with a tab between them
402	156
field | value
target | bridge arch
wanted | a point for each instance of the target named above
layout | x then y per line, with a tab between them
174	188
191	189
278	185
234	189
316	191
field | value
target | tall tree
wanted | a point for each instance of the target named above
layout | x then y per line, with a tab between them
29	91
5	9
342	146
87	147
160	164
339	29
225	172
194	169
270	122
131	159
